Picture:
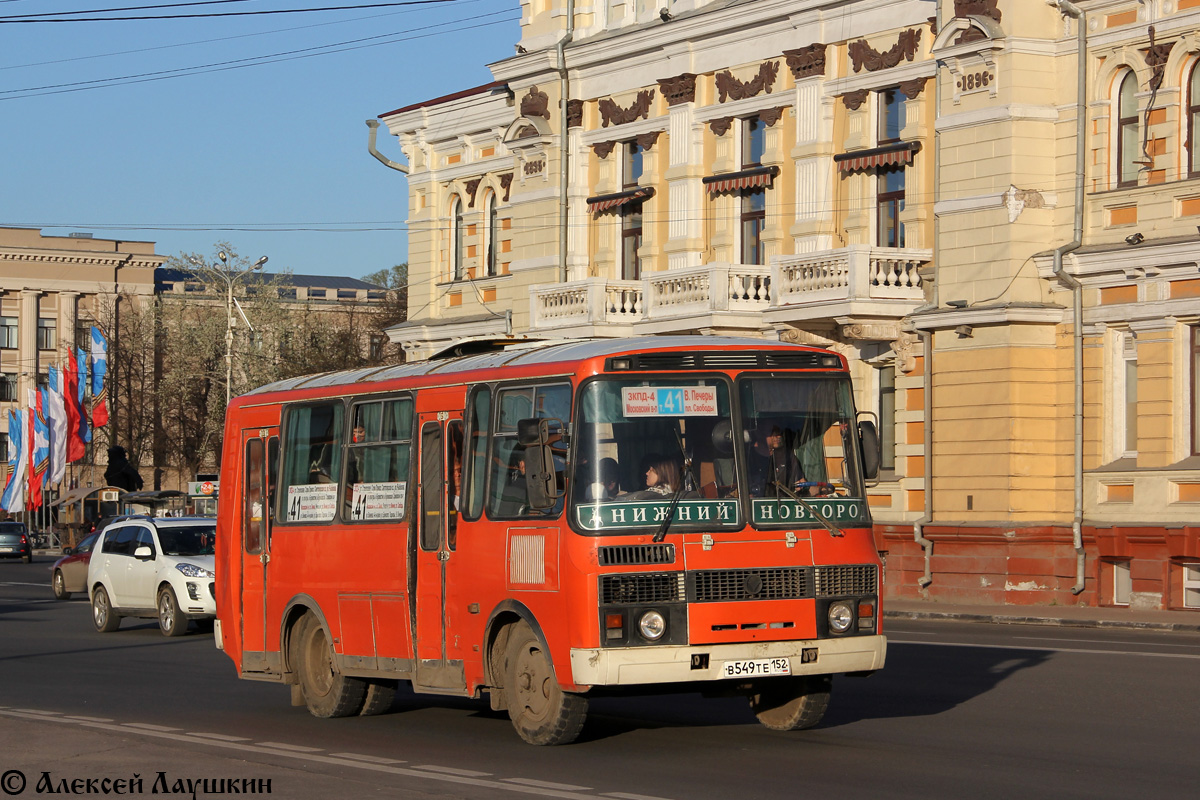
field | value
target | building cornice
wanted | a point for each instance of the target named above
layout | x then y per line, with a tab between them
944	318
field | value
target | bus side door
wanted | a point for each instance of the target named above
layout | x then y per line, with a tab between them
260	454
440	436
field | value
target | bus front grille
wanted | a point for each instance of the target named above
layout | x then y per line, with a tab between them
778	583
642	587
629	555
845	579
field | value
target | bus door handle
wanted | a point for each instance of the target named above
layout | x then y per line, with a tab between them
264	558
443	555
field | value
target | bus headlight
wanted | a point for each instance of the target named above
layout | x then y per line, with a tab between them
652	626
841	616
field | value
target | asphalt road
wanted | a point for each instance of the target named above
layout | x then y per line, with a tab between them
961	710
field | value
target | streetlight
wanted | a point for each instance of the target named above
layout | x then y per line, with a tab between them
230	277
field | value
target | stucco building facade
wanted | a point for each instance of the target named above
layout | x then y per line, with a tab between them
932	189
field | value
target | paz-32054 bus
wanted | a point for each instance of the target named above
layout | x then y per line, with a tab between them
541	522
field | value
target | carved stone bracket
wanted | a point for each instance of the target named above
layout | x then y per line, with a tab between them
854	100
798	336
903	347
772	115
863	56
472	186
871	331
602	149
911	89
613	114
680	89
977	8
647	140
574	113
535	104
730	88
807	62
720	126
506	184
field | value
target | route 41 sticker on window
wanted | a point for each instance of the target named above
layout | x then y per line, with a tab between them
669	401
378	500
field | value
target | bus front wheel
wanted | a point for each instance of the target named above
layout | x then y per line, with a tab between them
791	704
540	710
327	692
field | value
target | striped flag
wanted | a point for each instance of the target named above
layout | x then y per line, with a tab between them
57	417
13	500
99	370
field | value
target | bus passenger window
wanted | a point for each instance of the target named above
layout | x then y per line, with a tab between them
252	514
507	492
432	481
480	415
312	461
377	466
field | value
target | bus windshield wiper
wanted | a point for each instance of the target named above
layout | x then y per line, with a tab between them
675	498
829	526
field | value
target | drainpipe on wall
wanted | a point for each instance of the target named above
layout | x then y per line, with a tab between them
373	125
1073	11
564	88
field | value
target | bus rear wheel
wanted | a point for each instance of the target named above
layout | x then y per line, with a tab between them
791	704
540	710
327	692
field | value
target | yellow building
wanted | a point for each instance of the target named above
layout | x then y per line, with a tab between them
928	188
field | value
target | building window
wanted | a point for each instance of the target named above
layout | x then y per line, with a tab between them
887	418
631	165
1124	395
456	245
1193	116
493	236
8	333
631	212
8	386
1191	585
1127	132
1122	583
3	447
754	201
889	204
891	116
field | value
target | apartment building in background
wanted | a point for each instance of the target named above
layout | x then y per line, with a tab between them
930	188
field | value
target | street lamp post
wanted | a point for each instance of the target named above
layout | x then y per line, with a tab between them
230	277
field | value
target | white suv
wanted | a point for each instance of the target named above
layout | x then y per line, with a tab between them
156	568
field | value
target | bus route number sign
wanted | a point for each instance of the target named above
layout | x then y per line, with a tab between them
669	401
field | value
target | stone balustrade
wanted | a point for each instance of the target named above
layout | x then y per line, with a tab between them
850	273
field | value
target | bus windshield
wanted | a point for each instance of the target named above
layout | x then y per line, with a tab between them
645	444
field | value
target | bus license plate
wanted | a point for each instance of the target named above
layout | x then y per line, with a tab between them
764	666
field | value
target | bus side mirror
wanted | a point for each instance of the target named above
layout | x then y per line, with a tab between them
541	482
871	452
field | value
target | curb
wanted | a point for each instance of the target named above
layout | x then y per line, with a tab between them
1012	619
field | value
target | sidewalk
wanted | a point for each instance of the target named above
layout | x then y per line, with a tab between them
1065	616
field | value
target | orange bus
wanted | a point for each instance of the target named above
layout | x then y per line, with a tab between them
548	521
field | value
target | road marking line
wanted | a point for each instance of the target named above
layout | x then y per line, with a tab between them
1107	641
16	583
221	736
150	726
39	712
466	773
88	719
547	784
1085	651
331	760
369	759
299	748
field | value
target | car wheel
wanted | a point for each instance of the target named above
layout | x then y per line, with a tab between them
105	619
60	586
540	710
171	620
791	704
327	692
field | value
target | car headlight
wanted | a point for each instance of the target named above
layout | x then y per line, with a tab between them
192	571
841	616
652	626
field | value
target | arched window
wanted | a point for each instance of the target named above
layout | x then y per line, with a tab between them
1193	117
492	262
456	236
1128	140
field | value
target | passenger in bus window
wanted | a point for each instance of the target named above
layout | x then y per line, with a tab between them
773	464
663	477
607	484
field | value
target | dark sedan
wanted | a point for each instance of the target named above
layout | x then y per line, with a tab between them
69	573
14	541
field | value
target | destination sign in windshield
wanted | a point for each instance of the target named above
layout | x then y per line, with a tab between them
669	401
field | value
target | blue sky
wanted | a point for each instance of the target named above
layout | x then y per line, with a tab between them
185	162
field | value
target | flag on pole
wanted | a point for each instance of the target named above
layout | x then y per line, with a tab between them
40	450
85	427
57	417
99	370
13	500
76	446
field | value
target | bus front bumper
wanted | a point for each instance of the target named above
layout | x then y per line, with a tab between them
684	663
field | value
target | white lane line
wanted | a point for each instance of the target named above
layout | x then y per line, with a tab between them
624	796
150	726
1094	652
88	719
321	758
296	748
368	759
18	583
39	712
466	773
547	784
221	736
1193	645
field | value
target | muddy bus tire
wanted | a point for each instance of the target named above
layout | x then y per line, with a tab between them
791	704
327	692
379	698
541	711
